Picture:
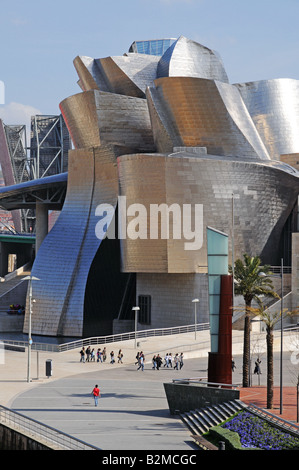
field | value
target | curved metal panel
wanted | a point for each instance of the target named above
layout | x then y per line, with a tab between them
129	74
90	77
204	113
119	82
98	118
187	58
274	107
80	115
264	195
72	243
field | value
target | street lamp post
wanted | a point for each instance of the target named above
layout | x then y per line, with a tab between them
281	336
30	279
195	301
135	309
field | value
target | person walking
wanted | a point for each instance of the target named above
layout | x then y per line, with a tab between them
99	355
96	394
176	361
158	361
257	369
82	355
92	356
88	352
181	360
137	358
104	355
166	360
141	361
112	360
120	356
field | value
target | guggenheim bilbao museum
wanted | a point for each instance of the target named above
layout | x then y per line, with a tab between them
163	146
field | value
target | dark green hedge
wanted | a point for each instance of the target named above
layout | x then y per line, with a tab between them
230	438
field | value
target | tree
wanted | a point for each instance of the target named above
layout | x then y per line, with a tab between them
270	319
251	280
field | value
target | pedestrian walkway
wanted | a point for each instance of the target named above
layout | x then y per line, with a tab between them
258	397
133	412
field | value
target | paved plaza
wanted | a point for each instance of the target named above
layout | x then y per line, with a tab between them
133	412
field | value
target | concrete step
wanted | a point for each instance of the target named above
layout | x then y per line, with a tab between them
197	427
199	421
6	286
12	291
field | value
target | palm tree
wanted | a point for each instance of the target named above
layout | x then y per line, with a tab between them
270	319
251	280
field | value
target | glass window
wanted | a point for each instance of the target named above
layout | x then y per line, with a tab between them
144	303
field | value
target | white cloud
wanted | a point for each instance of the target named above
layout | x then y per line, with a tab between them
18	21
18	114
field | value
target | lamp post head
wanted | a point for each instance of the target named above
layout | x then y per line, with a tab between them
30	278
195	300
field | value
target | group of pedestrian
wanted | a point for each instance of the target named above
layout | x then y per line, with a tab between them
89	355
176	362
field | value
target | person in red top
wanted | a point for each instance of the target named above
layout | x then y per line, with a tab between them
96	394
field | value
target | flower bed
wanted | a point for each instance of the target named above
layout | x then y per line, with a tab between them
254	432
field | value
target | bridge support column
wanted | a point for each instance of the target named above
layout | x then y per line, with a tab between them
41	224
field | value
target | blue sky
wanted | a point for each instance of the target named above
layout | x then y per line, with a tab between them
257	39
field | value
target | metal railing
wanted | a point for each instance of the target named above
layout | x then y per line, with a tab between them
277	269
132	335
35	346
41	433
109	339
203	381
274	420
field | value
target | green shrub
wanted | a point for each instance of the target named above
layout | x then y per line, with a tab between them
230	438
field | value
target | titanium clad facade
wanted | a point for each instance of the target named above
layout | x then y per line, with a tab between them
274	107
196	112
98	118
187	58
90	77
125	75
261	210
72	242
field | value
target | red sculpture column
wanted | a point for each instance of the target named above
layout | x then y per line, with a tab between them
220	363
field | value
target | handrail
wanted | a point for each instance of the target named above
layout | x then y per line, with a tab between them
131	335
41	432
278	421
277	269
199	380
111	338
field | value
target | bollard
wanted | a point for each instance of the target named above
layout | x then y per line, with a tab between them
49	368
221	445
